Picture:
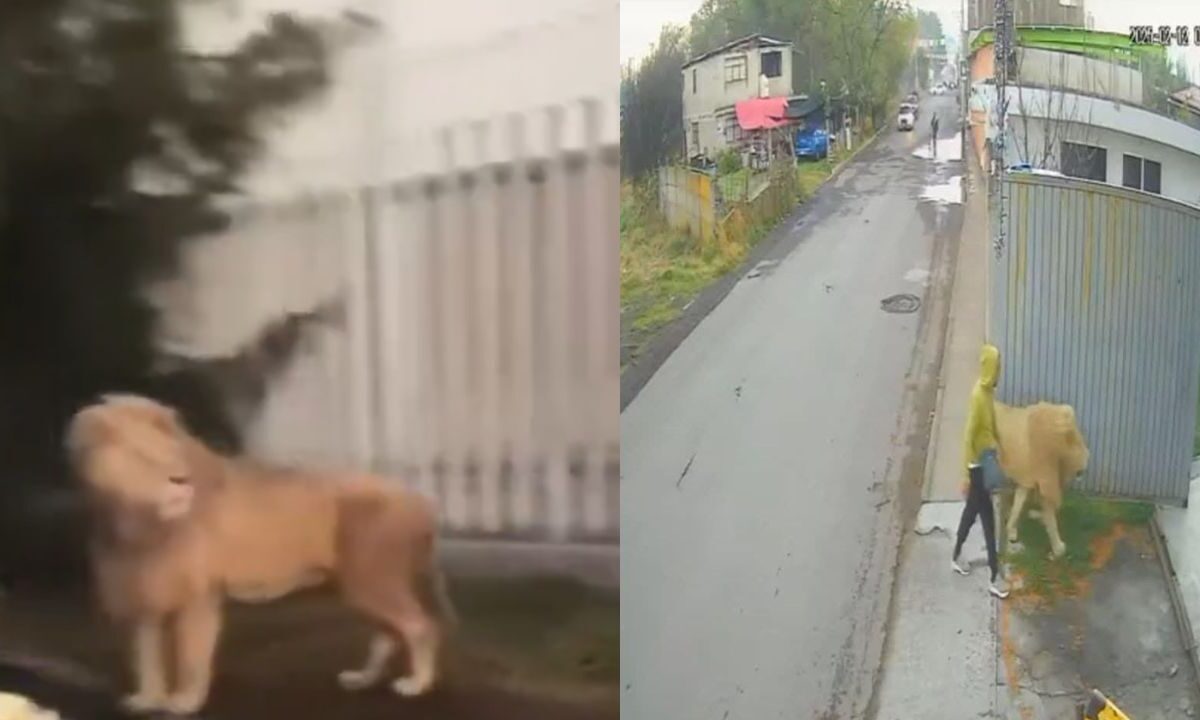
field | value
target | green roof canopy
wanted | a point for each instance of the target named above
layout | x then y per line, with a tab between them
1077	40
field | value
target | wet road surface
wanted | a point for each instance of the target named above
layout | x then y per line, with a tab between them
761	464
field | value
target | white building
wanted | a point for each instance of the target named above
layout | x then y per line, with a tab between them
1090	118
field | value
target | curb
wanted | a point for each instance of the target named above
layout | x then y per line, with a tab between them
853	153
597	566
1187	637
931	452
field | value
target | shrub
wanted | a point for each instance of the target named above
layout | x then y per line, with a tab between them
729	161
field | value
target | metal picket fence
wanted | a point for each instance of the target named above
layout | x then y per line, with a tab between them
478	357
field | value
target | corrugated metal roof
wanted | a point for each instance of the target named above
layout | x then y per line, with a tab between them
756	40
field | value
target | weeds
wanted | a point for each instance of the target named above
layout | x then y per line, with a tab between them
1085	523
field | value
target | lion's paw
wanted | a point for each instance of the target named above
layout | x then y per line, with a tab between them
141	703
410	686
353	680
184	704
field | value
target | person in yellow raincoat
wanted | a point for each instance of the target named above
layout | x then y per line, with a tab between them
983	469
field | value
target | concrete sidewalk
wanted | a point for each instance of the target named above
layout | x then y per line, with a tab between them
1181	538
964	336
941	657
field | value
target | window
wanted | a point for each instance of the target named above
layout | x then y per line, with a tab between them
695	138
1131	172
693	81
1141	174
733	131
735	69
1084	161
772	63
1152	177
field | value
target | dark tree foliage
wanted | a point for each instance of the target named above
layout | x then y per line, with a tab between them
93	94
929	25
652	105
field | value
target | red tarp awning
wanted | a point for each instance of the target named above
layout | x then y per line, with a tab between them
761	113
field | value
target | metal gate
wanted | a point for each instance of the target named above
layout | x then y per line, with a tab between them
1095	302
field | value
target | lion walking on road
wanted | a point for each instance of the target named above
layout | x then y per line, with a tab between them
178	528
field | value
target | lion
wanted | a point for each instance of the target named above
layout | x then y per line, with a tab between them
1042	450
178	528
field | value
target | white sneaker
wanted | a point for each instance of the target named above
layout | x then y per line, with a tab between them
959	567
998	588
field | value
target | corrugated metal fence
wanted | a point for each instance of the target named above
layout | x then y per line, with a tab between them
478	357
1094	302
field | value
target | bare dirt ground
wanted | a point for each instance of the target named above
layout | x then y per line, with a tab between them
543	648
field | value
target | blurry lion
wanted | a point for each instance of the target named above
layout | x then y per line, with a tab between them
1042	450
177	528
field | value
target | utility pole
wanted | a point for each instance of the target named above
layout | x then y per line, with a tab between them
1003	29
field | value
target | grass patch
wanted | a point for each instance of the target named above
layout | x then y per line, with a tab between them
662	268
811	175
1085	524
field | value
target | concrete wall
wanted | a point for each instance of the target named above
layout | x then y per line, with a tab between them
1076	72
686	199
714	97
396	91
980	13
983	64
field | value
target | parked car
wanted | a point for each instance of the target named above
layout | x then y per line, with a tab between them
906	119
912	99
812	142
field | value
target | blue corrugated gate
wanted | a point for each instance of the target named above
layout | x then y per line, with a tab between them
1095	302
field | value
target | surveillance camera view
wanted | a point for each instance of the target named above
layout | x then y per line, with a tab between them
308	382
910	361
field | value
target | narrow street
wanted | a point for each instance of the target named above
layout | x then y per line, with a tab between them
765	464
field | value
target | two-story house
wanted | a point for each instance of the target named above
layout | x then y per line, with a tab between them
713	83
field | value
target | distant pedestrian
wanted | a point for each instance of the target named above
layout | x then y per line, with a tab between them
933	135
983	468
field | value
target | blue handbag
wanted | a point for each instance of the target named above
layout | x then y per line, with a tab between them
993	478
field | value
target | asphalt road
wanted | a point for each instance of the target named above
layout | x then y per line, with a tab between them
763	464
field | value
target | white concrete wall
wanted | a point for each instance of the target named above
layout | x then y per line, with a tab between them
1076	72
429	67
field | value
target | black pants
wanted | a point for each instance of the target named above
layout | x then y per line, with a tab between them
979	502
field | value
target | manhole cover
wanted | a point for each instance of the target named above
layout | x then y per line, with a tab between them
903	303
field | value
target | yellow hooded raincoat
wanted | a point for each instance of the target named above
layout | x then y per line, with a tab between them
981	414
